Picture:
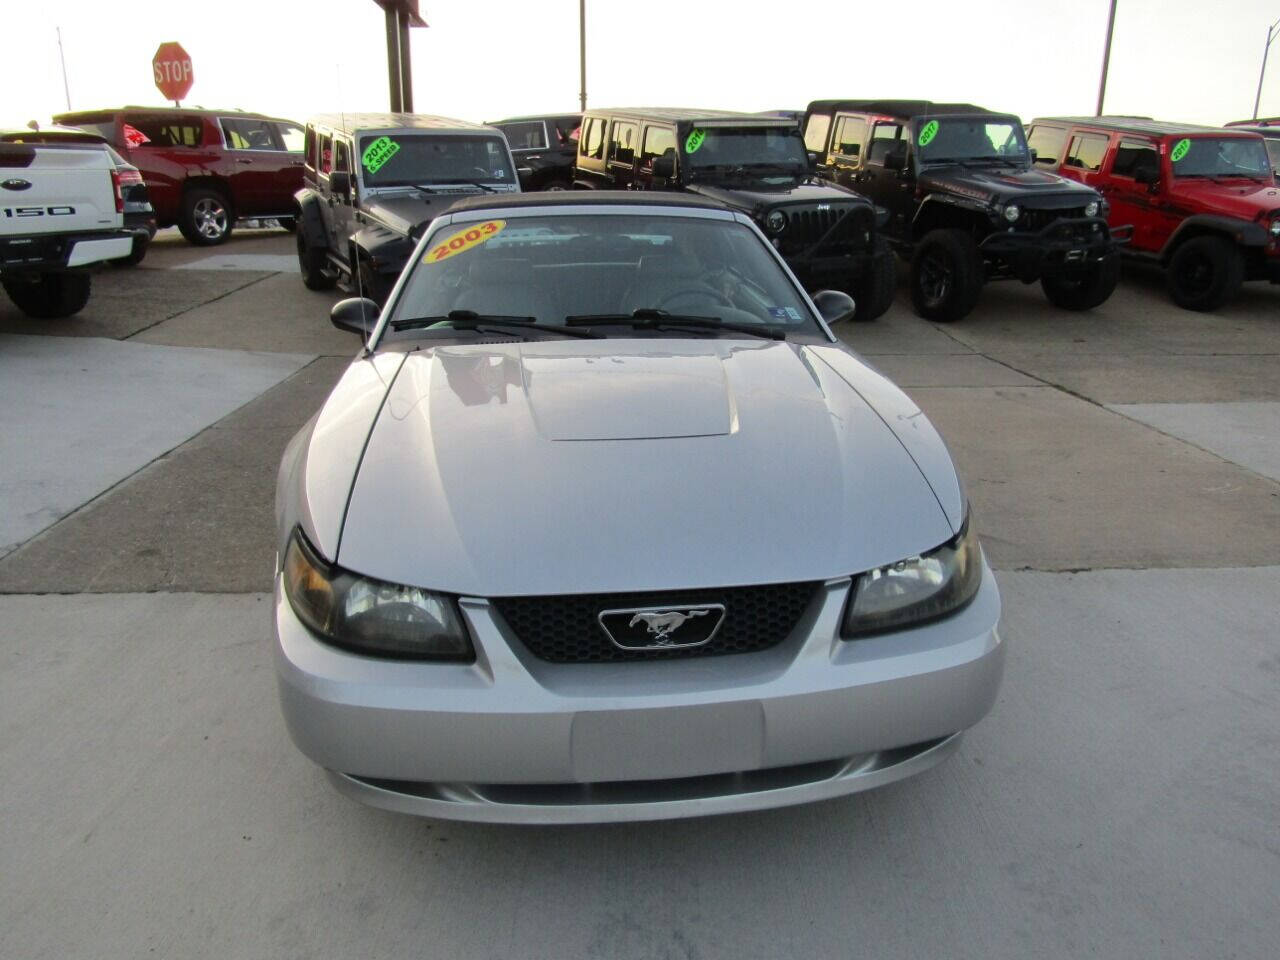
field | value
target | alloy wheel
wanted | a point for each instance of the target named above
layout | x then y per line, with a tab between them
210	218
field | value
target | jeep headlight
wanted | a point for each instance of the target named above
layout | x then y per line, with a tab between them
1091	208
370	616
1012	212
915	590
776	221
1275	227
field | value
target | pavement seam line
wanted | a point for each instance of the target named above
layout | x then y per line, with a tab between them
1115	413
158	457
205	303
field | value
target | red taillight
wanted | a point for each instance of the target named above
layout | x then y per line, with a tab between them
115	186
129	176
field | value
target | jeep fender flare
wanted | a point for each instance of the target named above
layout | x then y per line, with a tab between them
310	222
937	209
1243	233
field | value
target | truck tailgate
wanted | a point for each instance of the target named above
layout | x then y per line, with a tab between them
64	190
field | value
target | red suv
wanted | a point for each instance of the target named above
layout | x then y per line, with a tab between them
205	168
1202	201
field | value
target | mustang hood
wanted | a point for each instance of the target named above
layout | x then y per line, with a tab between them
618	465
1008	184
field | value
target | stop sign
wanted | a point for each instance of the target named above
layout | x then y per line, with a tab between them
172	68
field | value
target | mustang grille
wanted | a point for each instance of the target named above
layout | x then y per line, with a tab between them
805	227
565	629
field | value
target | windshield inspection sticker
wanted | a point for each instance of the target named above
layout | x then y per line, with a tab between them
378	153
927	133
694	140
1180	149
464	240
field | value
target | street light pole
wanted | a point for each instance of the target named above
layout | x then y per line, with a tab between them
1106	59
1272	33
582	53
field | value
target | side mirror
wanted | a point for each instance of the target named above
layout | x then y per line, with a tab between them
664	167
340	183
355	315
835	307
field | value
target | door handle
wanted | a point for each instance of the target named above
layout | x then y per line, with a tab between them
243	160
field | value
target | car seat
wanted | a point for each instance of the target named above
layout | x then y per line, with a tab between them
504	287
659	276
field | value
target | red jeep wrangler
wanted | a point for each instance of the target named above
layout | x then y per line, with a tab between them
1202	201
205	168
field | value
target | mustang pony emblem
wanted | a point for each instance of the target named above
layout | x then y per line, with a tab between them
662	625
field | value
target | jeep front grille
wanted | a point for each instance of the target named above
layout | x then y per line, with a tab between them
565	629
806	225
1034	221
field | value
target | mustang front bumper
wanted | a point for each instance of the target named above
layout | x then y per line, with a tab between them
512	738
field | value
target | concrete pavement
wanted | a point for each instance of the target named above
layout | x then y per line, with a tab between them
1120	801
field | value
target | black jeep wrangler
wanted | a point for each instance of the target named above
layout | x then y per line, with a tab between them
756	164
545	148
965	205
371	184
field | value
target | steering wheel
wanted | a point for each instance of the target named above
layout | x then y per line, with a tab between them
705	293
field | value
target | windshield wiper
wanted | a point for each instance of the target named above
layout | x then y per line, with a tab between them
471	183
649	318
470	320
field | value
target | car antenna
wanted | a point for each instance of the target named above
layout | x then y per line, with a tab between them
355	267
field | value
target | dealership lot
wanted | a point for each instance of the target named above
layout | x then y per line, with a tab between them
1121	800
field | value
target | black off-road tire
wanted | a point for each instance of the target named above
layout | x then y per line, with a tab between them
946	275
206	218
49	296
311	261
1204	273
1083	293
875	291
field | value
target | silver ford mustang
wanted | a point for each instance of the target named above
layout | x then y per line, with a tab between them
603	523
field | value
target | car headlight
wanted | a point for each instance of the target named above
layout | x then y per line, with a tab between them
1275	228
917	589
372	616
776	221
1091	208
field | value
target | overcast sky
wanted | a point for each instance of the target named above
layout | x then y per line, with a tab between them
1172	59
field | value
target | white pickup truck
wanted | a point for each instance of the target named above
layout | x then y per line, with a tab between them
61	211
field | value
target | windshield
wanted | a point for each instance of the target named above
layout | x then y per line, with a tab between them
1219	157
553	267
779	148
400	159
944	139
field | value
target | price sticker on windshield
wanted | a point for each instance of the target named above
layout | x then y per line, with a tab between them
927	133
378	153
464	240
1180	149
694	140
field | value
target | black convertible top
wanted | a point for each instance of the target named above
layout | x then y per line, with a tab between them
590	198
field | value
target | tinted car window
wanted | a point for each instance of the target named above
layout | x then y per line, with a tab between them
326	153
657	141
550	267
341	157
1134	156
815	133
622	147
168	132
309	153
593	145
1047	143
529	135
1219	157
745	146
291	136
1086	152
408	158
246	134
